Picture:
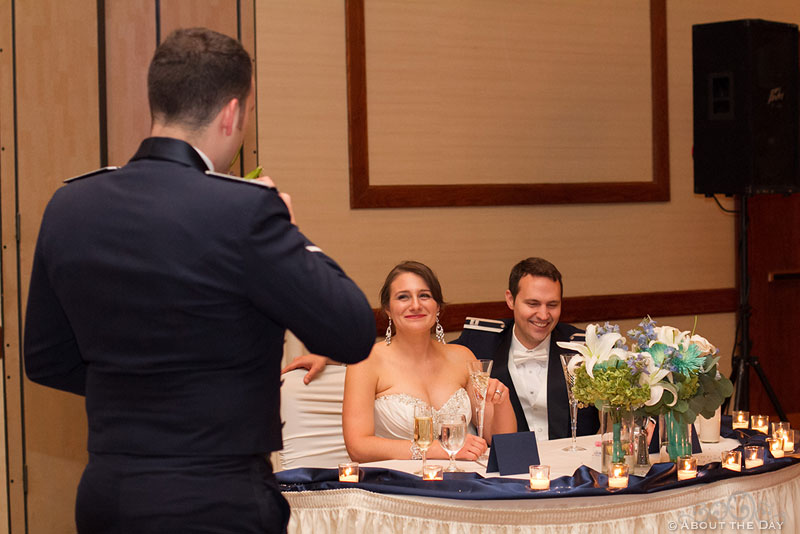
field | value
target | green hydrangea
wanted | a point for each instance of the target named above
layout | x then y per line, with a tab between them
612	386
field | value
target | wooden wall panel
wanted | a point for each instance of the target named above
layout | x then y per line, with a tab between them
130	43
478	105
57	136
11	489
11	442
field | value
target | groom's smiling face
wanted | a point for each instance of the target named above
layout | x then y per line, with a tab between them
537	309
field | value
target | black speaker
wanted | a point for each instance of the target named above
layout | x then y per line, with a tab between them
745	77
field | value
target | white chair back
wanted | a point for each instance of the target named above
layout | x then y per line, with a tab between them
312	416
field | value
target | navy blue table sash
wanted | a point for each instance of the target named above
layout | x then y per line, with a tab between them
584	481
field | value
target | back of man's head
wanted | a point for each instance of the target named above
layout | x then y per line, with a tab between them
193	74
533	267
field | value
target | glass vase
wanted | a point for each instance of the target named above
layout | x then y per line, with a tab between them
676	438
616	430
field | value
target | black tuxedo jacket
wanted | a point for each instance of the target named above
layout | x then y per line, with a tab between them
495	343
162	293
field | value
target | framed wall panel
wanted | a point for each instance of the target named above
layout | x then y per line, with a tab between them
368	191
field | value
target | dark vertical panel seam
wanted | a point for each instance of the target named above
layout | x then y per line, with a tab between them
255	77
158	22
242	172
19	275
102	88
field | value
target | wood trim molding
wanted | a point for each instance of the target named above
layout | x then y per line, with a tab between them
599	307
364	195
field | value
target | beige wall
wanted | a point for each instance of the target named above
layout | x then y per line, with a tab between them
686	243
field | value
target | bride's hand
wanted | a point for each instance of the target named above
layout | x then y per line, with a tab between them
497	392
472	449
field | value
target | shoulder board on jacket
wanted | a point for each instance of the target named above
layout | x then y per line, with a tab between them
92	173
238	179
487	325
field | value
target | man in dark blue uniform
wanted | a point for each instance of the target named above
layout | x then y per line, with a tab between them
162	291
526	357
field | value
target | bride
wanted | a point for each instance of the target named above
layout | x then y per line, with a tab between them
412	367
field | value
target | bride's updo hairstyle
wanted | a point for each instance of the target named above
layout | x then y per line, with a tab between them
421	270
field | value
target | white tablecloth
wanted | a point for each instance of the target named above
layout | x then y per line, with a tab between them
769	502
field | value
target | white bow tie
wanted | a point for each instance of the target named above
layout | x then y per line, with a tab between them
538	354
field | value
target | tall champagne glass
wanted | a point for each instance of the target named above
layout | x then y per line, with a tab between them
423	429
453	433
573	404
479	371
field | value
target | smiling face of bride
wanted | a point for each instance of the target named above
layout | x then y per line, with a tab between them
411	297
411	304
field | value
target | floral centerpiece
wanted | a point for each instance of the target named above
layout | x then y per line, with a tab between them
608	376
664	372
683	378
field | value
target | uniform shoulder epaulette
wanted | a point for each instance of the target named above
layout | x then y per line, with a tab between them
486	325
237	179
102	170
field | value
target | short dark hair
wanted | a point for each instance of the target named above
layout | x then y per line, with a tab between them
194	73
421	270
533	267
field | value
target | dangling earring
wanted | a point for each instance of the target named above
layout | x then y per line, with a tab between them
439	330
389	332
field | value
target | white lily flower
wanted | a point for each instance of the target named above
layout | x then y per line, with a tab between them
596	349
653	377
670	336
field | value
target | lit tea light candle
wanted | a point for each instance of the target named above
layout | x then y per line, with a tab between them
687	467
732	460
740	419
753	456
348	472
759	423
779	429
433	472
775	447
540	477
789	440
618	476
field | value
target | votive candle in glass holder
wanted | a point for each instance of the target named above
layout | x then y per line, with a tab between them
789	440
775	447
740	419
540	477
618	476
732	460
348	472
779	429
433	472
687	467
759	423
753	456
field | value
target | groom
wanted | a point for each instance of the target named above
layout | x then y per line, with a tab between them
526	357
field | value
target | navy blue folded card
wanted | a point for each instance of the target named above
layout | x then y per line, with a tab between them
512	454
654	443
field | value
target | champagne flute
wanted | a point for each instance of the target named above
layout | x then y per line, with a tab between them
452	437
423	430
573	404
479	371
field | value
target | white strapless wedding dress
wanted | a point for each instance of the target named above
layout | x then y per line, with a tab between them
394	413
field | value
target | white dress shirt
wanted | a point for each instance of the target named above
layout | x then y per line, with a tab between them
529	375
206	159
